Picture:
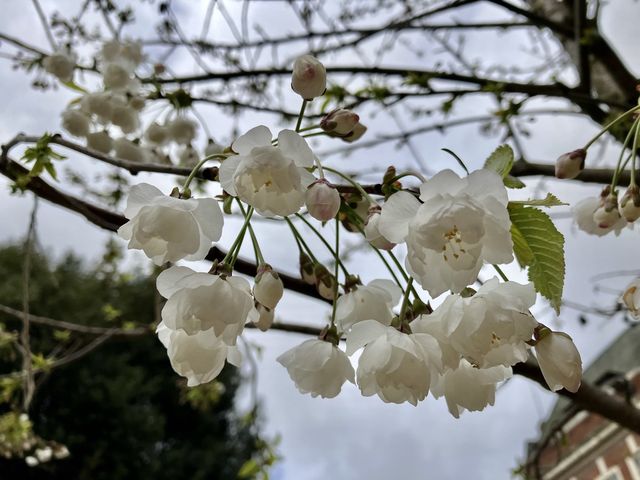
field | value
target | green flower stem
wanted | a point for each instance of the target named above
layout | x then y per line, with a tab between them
619	167
301	114
314	134
609	125
405	301
326	244
500	272
409	173
352	182
310	127
254	239
335	273
634	154
199	165
300	240
232	254
406	277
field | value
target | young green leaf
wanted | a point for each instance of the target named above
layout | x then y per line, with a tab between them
549	201
500	161
513	182
538	244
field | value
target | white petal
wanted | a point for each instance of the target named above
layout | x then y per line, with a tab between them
259	136
363	333
234	357
226	172
295	147
140	196
443	182
167	282
390	287
396	215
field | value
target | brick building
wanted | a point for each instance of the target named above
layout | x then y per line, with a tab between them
579	445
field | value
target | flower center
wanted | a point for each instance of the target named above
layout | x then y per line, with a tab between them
453	245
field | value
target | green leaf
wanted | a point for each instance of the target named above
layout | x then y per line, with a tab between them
538	244
74	86
500	161
249	469
513	182
549	201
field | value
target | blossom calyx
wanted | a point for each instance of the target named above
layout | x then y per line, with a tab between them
322	200
307	269
309	78
559	360
268	288
607	214
339	122
569	165
325	282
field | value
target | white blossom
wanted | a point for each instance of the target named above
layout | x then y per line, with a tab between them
371	302
100	141
60	64
201	301
469	388
189	157
182	130
309	78
272	179
169	229
489	328
126	118
157	134
98	103
584	215
318	367
630	204
116	76
128	150
322	200
461	223
75	122
265	317
559	361
44	454
199	357
395	366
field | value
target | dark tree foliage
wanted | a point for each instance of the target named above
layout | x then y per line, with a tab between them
121	411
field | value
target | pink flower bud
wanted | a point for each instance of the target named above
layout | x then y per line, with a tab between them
569	165
355	134
630	204
268	289
309	79
322	200
339	122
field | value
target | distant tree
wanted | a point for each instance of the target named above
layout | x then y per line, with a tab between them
121	411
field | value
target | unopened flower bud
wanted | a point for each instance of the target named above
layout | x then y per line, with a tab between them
322	200
569	165
559	360
630	204
306	269
268	289
339	122
607	214
265	317
371	232
325	282
309	79
355	134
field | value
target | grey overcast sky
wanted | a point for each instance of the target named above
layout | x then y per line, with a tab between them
351	436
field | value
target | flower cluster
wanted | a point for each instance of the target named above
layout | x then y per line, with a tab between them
451	227
110	119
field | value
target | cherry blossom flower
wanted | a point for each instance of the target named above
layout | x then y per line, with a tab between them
61	65
372	232
322	200
317	367
584	216
169	229
371	302
199	301
273	179
75	122
489	328
395	366
461	223
200	357
100	141
469	388
268	288
569	165
182	130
